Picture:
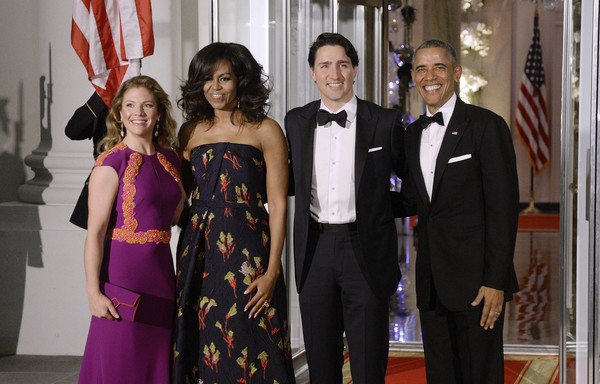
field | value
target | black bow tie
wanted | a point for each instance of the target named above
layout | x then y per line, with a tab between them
324	117
426	120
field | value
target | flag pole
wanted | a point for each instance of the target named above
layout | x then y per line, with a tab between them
531	209
531	120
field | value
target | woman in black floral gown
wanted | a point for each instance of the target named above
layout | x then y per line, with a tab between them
231	324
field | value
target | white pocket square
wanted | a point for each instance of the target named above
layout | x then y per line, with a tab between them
459	158
375	149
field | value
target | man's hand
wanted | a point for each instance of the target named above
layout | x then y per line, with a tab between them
493	302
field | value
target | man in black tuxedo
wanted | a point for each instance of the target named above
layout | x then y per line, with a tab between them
342	152
462	181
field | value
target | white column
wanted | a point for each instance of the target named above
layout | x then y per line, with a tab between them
59	165
43	309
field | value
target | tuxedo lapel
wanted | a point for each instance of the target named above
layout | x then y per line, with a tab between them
365	128
307	126
454	132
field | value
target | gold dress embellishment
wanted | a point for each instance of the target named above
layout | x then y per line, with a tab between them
128	232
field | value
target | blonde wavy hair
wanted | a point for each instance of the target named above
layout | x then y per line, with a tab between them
167	136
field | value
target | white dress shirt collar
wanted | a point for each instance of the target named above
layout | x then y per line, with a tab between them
446	109
350	107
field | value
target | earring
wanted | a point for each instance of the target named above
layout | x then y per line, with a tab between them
157	128
238	105
122	130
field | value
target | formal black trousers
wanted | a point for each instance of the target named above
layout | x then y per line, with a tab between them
458	350
336	298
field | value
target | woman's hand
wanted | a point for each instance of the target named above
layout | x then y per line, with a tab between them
261	290
101	306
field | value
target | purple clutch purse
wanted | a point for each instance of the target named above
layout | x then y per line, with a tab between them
140	307
125	301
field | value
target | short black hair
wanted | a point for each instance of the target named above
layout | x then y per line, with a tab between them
329	38
433	43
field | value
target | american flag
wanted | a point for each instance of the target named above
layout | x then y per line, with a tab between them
532	115
111	37
531	302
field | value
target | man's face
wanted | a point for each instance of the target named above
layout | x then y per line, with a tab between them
434	76
334	75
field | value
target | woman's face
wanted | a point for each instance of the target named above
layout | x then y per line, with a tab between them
220	90
139	112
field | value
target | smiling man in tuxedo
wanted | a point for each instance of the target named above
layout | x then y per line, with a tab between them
462	181
342	152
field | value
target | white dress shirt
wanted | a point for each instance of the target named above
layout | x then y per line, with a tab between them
333	193
431	142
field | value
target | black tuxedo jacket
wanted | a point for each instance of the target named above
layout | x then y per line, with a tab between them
378	151
88	122
467	232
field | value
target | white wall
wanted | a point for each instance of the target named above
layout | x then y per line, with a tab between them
43	308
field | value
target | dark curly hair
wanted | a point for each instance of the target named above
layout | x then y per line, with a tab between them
329	38
252	83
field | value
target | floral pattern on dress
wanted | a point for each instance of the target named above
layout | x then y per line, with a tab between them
222	250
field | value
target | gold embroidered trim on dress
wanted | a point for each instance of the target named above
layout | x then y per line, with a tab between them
104	155
168	166
128	233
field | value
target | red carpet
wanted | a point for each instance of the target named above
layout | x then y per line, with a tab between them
409	368
539	223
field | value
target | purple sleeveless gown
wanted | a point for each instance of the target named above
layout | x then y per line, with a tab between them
138	270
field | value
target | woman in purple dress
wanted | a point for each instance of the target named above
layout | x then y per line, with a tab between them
135	196
231	324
